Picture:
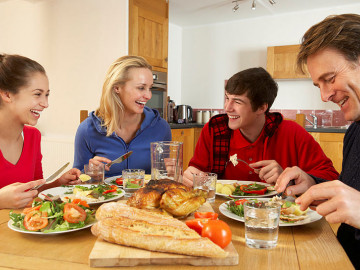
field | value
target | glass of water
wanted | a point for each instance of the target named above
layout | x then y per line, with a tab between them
206	181
133	179
261	225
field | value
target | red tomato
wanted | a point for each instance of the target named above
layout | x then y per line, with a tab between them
81	202
119	181
35	220
197	224
210	215
247	189
218	232
28	210
238	202
74	213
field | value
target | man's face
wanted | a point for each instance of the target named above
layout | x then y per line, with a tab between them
240	113
338	80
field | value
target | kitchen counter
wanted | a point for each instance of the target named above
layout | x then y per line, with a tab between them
327	129
188	125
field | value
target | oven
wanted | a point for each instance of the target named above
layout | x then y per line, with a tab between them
159	93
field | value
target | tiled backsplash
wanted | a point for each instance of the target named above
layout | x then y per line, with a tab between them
333	118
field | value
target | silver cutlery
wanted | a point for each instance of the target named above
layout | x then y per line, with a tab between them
120	159
52	177
243	161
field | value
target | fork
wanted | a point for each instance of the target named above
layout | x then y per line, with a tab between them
239	159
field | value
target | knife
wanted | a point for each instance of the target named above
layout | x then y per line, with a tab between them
52	177
120	159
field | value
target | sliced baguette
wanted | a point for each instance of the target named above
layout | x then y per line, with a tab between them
152	237
121	224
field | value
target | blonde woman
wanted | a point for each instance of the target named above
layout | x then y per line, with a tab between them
122	122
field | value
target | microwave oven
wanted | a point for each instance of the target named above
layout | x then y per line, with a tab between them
159	93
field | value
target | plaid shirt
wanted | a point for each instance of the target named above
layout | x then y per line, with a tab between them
218	125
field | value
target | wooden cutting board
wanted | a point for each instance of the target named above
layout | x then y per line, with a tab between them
106	254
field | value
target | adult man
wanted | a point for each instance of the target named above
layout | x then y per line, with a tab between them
255	135
331	51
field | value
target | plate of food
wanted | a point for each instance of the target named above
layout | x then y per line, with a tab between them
118	180
92	194
52	217
244	189
291	215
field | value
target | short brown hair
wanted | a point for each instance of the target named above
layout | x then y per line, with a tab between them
257	84
339	32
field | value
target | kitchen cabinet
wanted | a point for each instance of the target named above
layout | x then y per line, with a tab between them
332	145
281	62
189	137
148	31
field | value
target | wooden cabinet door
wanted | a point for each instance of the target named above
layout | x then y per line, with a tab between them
187	137
148	31
281	62
332	145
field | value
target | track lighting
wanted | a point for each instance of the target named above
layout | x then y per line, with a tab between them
272	2
236	7
253	6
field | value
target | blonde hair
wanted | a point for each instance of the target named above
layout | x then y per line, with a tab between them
339	32
111	107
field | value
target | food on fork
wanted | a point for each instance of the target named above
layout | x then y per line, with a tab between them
233	159
121	224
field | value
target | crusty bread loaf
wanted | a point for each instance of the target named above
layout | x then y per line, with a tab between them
121	224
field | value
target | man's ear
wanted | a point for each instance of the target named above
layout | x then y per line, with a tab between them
263	108
5	96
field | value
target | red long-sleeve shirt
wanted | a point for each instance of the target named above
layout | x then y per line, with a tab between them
29	166
290	145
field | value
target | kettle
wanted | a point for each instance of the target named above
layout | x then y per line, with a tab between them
183	114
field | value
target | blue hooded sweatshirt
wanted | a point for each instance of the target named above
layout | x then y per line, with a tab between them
91	140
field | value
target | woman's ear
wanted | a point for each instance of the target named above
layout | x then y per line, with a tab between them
5	96
117	89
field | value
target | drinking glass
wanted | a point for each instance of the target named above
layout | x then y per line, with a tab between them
96	172
206	181
261	225
133	179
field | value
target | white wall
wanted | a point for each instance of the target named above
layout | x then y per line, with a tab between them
213	53
174	62
76	41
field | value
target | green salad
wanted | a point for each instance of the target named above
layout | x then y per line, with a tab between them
53	216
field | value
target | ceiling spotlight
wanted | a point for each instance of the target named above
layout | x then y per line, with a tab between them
253	6
272	2
236	7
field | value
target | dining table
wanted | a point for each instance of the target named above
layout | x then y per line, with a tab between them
309	246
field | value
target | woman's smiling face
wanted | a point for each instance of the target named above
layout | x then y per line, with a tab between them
31	100
338	80
137	91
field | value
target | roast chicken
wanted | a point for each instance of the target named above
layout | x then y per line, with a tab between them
171	196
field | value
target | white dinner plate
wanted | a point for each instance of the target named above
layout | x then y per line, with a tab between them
109	179
312	216
270	194
12	227
62	190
